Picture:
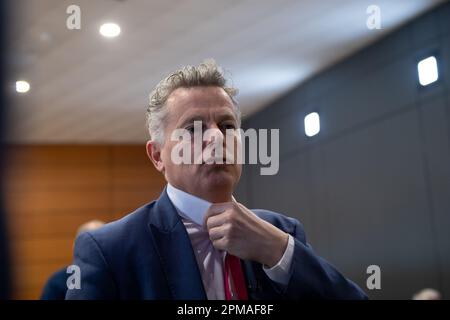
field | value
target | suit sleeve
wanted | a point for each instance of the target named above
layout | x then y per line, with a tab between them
313	277
96	282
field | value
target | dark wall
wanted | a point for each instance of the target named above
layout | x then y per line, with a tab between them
373	187
4	249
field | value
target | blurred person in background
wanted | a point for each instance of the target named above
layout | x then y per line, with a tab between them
427	294
56	286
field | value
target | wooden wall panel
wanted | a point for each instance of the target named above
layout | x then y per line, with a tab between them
52	189
58	199
31	226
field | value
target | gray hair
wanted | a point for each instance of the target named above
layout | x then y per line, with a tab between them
208	73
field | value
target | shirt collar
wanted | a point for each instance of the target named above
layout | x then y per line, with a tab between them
188	205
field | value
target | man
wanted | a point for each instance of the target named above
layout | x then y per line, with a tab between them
56	286
196	241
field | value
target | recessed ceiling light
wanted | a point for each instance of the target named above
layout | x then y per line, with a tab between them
428	71
312	124
110	30
22	86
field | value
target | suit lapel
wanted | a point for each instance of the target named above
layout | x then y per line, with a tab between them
175	251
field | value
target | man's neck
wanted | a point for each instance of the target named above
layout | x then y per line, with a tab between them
216	198
214	195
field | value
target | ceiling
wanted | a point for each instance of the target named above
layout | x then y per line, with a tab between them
89	89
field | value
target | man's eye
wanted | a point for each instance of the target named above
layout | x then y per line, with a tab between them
228	126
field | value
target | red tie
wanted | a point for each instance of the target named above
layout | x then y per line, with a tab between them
233	271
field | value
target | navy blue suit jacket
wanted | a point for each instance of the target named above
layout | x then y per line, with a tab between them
148	255
56	286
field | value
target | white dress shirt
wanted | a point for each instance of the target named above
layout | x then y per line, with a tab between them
192	211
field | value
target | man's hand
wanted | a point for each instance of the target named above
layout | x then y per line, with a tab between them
235	229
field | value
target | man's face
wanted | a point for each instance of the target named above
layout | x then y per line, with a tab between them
214	108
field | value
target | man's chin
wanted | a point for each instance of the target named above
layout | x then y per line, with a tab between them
218	175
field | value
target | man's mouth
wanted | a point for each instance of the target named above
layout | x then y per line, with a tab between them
215	161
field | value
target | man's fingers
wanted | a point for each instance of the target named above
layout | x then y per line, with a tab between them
216	233
214	210
221	244
216	221
217	208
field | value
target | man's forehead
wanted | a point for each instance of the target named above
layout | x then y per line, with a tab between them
187	101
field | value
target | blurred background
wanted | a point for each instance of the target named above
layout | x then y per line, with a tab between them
368	175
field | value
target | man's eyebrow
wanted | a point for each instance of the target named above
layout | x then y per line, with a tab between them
226	116
191	119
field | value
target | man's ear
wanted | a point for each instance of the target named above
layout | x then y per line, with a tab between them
154	154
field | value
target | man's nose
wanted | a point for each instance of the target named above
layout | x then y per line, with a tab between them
213	134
